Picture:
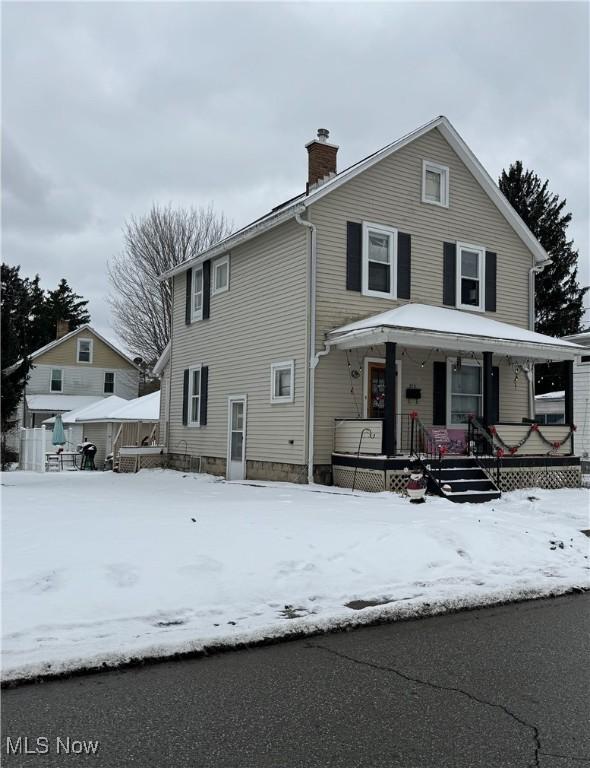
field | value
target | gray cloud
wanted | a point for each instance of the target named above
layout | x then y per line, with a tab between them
108	107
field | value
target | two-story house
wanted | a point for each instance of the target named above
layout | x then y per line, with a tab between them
386	312
77	369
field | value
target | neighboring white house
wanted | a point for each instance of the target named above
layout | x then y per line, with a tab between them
582	394
72	372
550	408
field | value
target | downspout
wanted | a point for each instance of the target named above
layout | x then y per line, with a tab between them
529	371
313	359
169	393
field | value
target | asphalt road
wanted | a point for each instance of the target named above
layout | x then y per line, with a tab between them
495	688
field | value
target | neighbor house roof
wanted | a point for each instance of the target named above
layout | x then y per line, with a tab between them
59	403
97	408
57	342
422	325
145	409
582	338
559	395
298	204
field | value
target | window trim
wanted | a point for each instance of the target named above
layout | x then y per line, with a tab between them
104	382
369	227
214	266
190	395
197	314
443	170
581	360
61	389
481	251
91	354
279	366
450	362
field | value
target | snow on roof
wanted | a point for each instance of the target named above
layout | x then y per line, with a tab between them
580	338
297	204
146	408
95	410
59	403
559	395
451	326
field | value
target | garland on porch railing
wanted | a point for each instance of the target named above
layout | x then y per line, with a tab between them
555	445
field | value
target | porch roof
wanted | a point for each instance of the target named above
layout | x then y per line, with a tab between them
422	325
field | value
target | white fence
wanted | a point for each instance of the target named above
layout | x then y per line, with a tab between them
34	444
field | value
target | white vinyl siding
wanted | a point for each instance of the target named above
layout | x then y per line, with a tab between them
391	193
262	319
83	380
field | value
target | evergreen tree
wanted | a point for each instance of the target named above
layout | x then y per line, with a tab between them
62	304
559	298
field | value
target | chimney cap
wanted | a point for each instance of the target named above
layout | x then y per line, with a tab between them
322	138
323	134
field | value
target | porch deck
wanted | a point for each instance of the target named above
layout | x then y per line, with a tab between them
513	455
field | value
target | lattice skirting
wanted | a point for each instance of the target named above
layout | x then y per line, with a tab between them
135	463
540	477
366	479
372	480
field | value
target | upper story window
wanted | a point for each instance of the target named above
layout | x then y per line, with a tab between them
220	276
197	293
109	382
435	184
57	380
84	351
470	277
379	260
282	381
194	396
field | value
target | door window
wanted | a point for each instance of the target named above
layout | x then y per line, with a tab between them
237	431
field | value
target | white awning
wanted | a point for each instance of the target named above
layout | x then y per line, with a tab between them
421	325
143	409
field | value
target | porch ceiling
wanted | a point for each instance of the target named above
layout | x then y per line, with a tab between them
421	325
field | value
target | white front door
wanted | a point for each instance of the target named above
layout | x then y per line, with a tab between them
236	438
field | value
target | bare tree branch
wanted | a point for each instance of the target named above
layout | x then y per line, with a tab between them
165	237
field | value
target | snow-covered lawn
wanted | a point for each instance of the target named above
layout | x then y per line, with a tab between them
99	567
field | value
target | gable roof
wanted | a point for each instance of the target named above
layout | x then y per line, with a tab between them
56	342
299	204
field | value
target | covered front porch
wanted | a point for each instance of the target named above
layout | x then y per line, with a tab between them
440	387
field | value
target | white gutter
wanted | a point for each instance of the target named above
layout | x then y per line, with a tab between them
313	358
532	272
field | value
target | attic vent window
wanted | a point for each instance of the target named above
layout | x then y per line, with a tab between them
435	184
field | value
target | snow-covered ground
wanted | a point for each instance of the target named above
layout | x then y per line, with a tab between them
99	567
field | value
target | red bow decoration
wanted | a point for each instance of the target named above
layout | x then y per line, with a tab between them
513	449
442	450
500	452
534	427
413	415
574	427
493	430
556	444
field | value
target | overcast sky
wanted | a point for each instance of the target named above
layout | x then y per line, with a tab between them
109	107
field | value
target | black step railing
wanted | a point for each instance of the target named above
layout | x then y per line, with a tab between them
480	444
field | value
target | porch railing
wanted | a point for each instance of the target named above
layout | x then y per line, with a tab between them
348	433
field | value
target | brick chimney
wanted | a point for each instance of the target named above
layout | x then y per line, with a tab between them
321	158
63	328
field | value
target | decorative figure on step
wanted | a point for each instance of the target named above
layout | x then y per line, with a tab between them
416	487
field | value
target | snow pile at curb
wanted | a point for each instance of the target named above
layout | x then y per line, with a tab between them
103	570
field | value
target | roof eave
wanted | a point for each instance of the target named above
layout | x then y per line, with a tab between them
234	240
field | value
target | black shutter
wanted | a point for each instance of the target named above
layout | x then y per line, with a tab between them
449	274
185	397
439	391
491	261
204	395
189	298
404	265
495	394
206	289
354	248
